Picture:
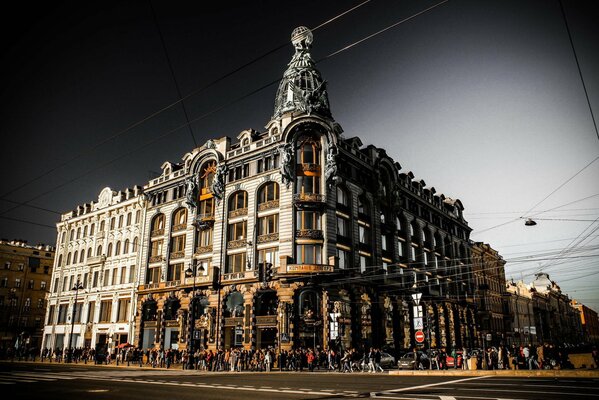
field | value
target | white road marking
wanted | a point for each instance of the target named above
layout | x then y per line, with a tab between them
447	398
406	389
536	391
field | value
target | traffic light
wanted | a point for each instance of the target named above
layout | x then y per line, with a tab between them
261	272
268	272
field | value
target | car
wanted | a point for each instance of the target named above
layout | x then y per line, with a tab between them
387	360
407	361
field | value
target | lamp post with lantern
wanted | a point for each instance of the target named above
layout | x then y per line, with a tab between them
77	287
192	270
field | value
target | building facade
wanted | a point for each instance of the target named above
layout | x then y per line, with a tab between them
589	321
491	297
25	277
297	236
91	302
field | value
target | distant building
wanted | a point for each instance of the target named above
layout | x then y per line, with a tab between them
493	314
590	322
25	276
98	247
542	313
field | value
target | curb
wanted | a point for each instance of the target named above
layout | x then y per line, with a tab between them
514	373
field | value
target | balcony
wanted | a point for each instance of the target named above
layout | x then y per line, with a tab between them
203	249
309	268
269	237
309	169
311	234
238	213
309	200
157	232
96	260
179	228
177	254
155	259
268	205
236	244
173	283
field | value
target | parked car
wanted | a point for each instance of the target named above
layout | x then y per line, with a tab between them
387	360
407	361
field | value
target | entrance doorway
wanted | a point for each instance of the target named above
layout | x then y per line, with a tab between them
266	337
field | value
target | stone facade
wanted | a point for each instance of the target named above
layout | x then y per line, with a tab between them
25	276
98	247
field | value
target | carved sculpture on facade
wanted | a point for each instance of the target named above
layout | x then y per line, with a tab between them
287	172
330	171
191	191
218	185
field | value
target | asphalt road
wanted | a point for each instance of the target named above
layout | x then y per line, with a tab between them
52	381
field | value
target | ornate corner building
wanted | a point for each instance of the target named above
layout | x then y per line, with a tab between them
298	236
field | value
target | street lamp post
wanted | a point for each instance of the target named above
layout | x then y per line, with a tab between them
189	272
280	327
78	286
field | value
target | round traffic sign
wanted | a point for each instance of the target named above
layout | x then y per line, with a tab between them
419	336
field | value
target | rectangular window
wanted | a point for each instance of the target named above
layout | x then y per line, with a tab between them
308	220
105	310
85	280
175	272
178	243
40	303
123	275
124	305
131	273
268	224
106	280
364	263
50	319
364	233
31	284
203	267
412	253
95	279
384	242
343	256
78	310
153	275
71	278
270	255
62	314
343	227
309	253
91	311
236	263
400	246
114	276
56	284
308	184
156	248
17	283
425	257
237	231
206	237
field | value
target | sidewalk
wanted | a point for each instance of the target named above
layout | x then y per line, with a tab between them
551	373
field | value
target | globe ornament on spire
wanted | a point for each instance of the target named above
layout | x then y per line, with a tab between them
302	88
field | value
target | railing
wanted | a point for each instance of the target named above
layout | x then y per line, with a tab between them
309	197
154	259
173	283
312	168
157	232
268	205
203	249
269	237
236	244
314	234
206	217
177	254
151	286
205	190
238	212
233	276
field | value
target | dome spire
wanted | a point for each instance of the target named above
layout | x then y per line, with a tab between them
302	88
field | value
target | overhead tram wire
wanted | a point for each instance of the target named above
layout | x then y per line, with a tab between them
205	115
170	67
28	222
168	107
586	93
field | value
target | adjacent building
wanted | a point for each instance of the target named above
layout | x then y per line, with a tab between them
92	297
492	305
589	321
24	282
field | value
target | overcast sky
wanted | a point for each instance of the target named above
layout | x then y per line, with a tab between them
481	99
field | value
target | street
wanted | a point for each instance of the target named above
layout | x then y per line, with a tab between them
59	381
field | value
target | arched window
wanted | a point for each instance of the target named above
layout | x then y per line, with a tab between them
89	252
134	249
268	192
92	228
59	261
102	225
120	221
99	250
128	219
68	259
63	238
81	256
109	252
117	249
180	217
207	176
126	247
72	235
112	222
158	224
137	216
85	231
78	233
309	152
75	254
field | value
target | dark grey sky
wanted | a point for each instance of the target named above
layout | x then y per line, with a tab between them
480	99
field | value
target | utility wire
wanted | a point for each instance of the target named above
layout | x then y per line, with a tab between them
28	222
586	93
166	108
170	67
205	115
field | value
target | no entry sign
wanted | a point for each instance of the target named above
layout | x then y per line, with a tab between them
419	336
